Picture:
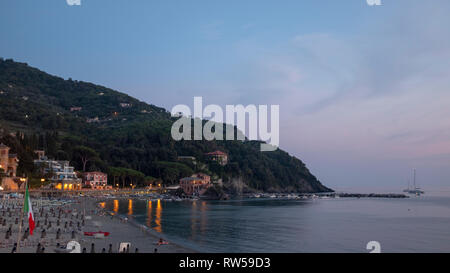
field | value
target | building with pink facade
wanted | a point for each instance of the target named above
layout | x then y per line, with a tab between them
8	165
96	180
197	184
218	156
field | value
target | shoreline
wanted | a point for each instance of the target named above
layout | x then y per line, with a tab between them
123	228
59	221
130	221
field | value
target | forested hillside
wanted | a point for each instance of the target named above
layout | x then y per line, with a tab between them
127	138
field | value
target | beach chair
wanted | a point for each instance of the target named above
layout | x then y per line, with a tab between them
124	246
73	247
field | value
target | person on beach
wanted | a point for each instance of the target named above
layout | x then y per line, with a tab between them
162	242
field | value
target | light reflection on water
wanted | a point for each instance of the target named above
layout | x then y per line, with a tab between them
116	206
158	227
335	225
130	207
149	214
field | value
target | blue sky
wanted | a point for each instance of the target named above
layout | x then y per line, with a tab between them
363	91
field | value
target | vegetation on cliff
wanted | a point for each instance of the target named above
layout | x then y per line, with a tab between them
97	128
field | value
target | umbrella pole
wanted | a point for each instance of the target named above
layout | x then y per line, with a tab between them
21	219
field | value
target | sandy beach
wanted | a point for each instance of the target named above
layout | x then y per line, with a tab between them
59	222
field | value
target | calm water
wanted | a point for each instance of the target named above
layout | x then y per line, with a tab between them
326	225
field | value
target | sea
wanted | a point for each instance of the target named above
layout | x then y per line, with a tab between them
335	225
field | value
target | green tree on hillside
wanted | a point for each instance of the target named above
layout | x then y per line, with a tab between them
85	155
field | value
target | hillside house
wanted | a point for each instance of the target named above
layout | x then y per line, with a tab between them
96	180
218	156
197	184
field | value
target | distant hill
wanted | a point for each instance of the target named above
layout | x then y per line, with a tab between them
61	116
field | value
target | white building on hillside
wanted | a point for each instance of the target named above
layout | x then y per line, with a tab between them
61	172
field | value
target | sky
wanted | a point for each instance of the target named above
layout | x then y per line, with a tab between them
363	90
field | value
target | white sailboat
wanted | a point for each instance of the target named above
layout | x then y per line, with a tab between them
415	190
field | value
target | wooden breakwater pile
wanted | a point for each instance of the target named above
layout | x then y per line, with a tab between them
323	195
371	195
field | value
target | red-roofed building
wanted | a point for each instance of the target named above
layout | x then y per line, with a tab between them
76	109
8	165
8	162
218	156
97	180
197	184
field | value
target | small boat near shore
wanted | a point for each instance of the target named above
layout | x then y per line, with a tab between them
96	234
